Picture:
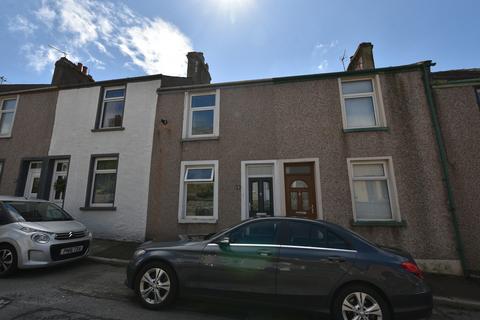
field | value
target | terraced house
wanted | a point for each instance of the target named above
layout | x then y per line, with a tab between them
391	153
361	148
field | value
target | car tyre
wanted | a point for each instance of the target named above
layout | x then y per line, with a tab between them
360	302
156	285
8	260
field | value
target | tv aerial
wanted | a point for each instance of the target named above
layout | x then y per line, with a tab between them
61	51
342	59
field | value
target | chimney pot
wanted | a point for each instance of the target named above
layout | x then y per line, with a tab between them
85	70
79	66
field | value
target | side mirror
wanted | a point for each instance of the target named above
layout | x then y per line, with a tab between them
224	242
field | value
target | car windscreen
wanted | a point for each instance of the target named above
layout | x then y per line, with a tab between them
31	211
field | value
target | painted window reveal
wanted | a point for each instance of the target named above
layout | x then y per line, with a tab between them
477	90
113	105
1	169
202	115
373	191
104	178
7	115
360	104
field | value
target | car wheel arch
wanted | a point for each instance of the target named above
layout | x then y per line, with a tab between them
370	285
158	260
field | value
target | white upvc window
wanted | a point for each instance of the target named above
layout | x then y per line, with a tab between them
198	196
104	179
362	104
373	189
201	115
112	109
8	107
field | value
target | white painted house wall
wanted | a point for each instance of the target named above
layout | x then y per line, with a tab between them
74	119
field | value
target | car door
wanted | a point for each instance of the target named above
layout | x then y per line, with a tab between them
312	259
246	263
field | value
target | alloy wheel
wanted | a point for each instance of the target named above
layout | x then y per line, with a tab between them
361	306
6	260
155	286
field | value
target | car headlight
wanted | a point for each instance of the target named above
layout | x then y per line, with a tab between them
138	253
40	237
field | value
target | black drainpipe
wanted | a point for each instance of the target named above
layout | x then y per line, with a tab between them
444	163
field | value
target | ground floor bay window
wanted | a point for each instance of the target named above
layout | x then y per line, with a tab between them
198	196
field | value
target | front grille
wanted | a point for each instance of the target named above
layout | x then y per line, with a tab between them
56	248
70	235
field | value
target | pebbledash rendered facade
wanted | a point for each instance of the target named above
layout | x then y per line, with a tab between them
362	148
390	153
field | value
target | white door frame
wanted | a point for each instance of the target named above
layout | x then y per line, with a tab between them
55	175
279	185
31	175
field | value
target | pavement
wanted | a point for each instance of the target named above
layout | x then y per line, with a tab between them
453	291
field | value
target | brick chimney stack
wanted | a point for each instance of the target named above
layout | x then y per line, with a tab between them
197	69
66	72
362	59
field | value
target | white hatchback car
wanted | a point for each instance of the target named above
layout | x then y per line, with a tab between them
38	233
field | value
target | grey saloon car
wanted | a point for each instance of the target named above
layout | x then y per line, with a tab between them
38	233
300	263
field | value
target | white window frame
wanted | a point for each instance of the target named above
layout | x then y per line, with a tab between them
94	176
389	176
182	196
105	99
188	115
376	95
9	134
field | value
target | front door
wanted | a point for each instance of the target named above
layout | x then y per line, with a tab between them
33	180
260	196
300	190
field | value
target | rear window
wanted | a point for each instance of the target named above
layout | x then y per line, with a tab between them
36	211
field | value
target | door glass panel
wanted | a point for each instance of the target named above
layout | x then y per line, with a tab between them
260	170
255	233
298	184
306	234
293	200
266	196
59	188
35	184
298	170
305	201
254	200
336	242
62	166
35	165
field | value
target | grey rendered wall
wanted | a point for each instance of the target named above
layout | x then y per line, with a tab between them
303	120
31	133
459	116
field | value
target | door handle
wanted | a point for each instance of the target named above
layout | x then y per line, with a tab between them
264	252
336	259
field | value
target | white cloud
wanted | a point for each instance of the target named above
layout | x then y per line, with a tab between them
323	65
21	24
45	14
154	45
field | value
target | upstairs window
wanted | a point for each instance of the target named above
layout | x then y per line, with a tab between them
7	114
361	104
113	104
201	115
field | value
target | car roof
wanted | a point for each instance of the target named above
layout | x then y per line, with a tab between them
12	198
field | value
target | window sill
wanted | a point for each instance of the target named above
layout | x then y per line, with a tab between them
365	129
200	138
402	223
206	221
98	208
108	129
6	137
